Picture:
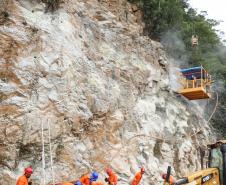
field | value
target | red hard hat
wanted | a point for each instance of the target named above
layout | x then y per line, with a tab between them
108	170
28	170
142	170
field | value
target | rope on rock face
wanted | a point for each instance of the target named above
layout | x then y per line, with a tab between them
50	151
214	110
43	156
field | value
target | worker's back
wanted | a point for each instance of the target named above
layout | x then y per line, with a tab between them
85	180
22	180
136	179
97	183
113	179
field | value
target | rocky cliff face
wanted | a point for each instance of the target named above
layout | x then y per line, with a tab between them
104	89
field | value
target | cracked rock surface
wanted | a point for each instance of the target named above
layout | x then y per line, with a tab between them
87	70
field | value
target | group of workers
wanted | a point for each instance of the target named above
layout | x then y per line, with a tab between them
90	179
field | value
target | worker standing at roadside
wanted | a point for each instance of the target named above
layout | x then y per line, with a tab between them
136	180
112	178
23	180
87	180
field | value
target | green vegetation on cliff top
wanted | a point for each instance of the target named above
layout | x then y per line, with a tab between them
173	22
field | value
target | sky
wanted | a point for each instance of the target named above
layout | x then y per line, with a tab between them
216	9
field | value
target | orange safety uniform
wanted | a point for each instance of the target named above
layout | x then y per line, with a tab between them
137	178
22	180
97	183
67	183
85	180
113	179
171	180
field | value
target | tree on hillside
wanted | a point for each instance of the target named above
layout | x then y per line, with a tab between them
176	20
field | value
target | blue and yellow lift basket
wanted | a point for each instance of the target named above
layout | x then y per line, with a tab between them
196	83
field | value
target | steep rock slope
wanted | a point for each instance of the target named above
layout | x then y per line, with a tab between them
103	88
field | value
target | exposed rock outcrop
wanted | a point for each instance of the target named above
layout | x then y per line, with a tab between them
87	70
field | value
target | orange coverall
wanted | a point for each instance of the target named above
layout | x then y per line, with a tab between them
171	180
113	179
22	180
85	180
97	183
137	178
